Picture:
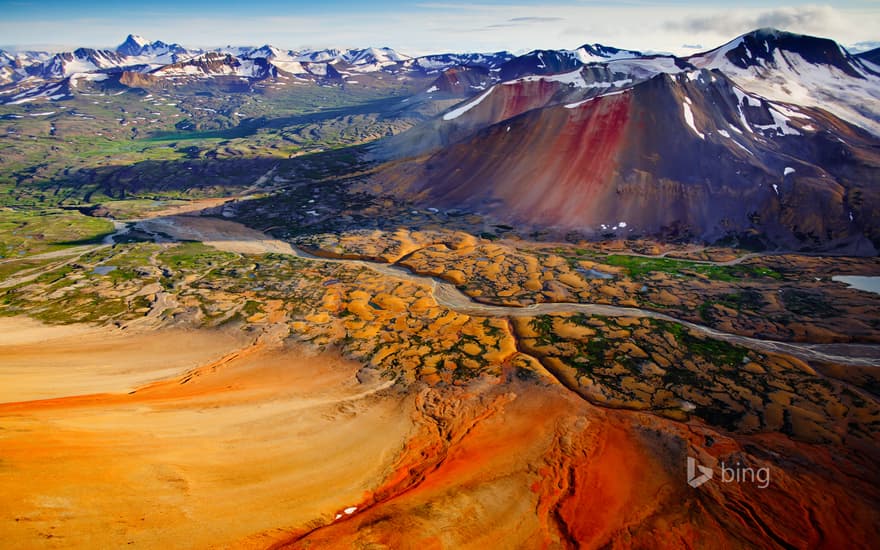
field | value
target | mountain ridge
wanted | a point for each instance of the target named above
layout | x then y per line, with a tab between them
689	155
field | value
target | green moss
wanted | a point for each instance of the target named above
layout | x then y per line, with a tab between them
638	267
713	351
27	232
193	255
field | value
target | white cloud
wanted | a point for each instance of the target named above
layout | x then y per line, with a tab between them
807	19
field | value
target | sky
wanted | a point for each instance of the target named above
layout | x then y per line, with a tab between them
428	26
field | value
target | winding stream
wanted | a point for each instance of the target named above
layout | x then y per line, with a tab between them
235	237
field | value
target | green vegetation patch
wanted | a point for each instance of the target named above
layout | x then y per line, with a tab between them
25	233
194	256
713	351
638	268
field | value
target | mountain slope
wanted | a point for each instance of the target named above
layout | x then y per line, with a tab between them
82	60
800	69
873	57
439	62
511	98
683	156
216	64
132	45
137	50
593	53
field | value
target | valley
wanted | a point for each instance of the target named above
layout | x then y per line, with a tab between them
330	299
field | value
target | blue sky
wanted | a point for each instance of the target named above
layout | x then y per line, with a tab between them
429	25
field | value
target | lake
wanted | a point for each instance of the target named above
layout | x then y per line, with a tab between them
860	282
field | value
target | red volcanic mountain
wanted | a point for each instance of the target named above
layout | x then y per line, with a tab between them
500	102
689	155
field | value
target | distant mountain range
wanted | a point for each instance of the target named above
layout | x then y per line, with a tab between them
26	76
785	66
772	138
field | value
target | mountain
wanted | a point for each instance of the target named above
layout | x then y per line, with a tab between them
373	56
134	52
316	62
441	62
689	155
213	64
132	45
320	56
767	138
82	60
540	62
7	67
593	53
871	56
778	65
556	61
286	61
801	69
779	50
268	51
138	50
14	66
461	81
499	101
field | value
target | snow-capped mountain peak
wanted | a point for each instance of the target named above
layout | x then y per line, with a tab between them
773	48
138	50
268	51
327	55
374	56
591	53
801	69
132	45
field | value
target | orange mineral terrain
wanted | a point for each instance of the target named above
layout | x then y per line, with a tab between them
382	411
268	298
266	444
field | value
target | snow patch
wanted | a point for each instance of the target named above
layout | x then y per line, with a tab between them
645	67
91	77
455	113
742	99
780	123
743	147
579	103
689	118
573	78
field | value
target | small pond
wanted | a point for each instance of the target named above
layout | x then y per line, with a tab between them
860	282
